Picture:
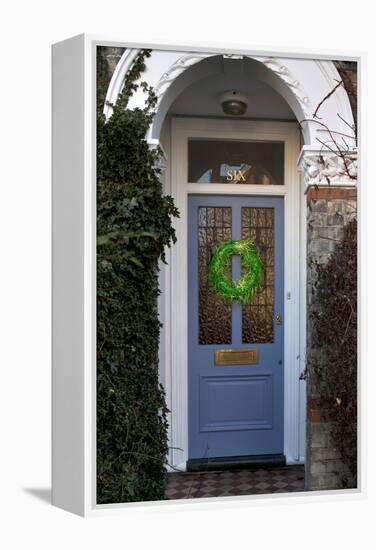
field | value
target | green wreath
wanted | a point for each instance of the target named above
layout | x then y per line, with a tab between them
220	265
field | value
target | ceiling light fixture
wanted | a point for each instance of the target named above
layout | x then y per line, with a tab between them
233	103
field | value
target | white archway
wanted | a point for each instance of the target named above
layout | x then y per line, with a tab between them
303	83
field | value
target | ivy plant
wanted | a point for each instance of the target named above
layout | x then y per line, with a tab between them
134	225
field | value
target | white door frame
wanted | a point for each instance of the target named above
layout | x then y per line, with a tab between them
174	283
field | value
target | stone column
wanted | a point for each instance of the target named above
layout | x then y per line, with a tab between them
331	204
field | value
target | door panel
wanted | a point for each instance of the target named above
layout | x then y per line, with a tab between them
219	411
235	410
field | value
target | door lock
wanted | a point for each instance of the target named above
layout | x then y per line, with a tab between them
278	319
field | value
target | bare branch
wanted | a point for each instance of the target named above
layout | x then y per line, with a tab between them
344	155
326	97
346	145
325	144
347	124
335	132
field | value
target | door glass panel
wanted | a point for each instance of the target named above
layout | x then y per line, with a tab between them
258	316
214	226
239	162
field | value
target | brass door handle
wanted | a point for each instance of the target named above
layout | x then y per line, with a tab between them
278	319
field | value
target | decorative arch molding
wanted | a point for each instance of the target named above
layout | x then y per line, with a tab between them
303	83
184	62
282	71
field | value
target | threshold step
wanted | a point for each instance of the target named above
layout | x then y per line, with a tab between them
235	462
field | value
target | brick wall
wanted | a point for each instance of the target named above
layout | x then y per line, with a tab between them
107	60
112	57
329	209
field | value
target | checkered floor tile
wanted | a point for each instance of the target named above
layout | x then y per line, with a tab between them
233	483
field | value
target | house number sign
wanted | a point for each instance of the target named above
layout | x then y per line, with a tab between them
235	175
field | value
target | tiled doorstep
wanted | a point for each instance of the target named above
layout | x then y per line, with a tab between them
234	483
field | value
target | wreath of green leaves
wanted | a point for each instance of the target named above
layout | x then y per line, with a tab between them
220	267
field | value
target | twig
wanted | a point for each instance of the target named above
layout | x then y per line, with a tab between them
329	238
347	124
339	152
336	132
347	327
325	98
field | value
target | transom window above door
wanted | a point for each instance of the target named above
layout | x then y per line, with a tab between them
235	162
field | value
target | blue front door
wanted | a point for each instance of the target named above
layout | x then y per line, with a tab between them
235	409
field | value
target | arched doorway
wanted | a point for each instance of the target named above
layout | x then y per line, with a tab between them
188	105
194	128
